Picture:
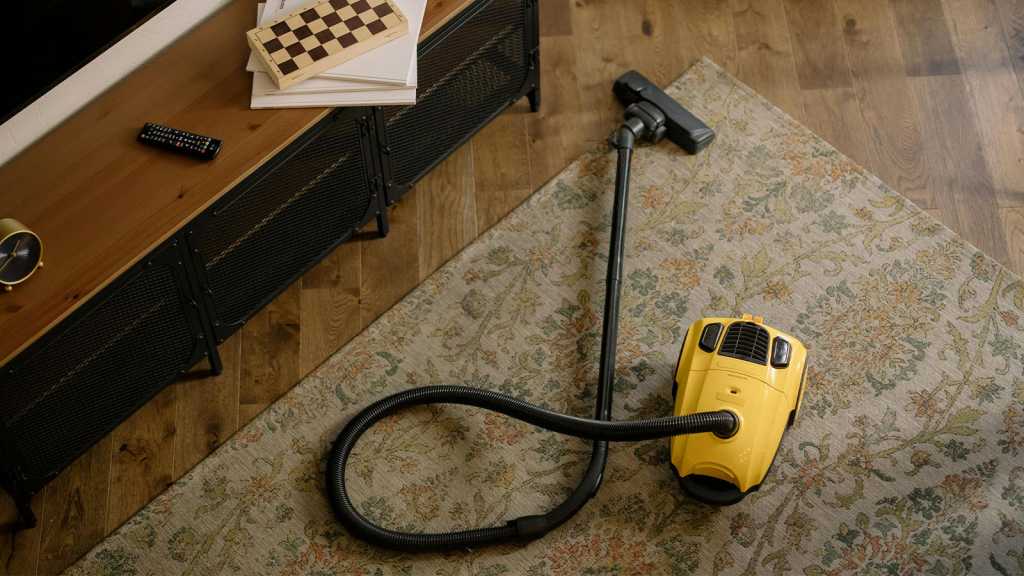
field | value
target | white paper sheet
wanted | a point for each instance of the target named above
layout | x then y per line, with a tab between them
391	97
262	84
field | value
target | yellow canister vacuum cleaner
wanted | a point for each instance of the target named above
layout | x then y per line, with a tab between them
737	385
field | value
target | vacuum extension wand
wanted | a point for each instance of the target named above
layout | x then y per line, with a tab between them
651	114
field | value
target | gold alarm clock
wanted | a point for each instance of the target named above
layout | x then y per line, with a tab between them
21	252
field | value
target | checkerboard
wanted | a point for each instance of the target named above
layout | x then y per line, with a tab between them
315	38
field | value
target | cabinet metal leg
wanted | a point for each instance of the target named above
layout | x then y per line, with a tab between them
382	222
534	97
213	356
381	199
26	517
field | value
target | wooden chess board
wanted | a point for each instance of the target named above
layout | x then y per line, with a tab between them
306	42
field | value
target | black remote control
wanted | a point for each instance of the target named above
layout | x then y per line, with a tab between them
202	147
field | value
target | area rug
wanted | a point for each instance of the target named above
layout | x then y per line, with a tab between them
906	459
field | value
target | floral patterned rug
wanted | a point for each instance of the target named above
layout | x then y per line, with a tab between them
907	457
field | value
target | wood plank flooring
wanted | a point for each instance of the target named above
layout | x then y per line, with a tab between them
928	94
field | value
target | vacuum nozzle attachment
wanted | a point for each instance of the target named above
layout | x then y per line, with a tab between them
679	124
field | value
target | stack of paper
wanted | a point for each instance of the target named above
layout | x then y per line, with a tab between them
383	76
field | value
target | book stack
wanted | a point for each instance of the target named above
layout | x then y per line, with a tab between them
314	53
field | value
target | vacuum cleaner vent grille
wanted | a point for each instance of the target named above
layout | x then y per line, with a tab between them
746	341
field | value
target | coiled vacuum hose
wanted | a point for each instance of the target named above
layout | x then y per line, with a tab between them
601	429
525	528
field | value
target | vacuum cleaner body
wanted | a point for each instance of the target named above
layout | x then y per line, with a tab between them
752	370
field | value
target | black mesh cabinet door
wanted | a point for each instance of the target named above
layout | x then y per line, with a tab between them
123	345
470	70
94	369
285	217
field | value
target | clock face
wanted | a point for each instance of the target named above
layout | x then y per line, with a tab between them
19	256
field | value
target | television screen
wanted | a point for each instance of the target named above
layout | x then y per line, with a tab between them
50	39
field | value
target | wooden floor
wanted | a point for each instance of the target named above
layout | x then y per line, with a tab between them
928	94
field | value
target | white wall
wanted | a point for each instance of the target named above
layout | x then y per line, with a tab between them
92	79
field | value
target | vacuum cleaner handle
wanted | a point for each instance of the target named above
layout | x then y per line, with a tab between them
685	129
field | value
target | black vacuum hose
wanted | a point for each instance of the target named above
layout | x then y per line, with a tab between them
601	429
526	528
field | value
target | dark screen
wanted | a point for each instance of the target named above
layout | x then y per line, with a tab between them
47	40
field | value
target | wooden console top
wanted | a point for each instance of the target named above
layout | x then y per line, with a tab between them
100	201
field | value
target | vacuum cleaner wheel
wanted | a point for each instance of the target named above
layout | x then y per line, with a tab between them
711	490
